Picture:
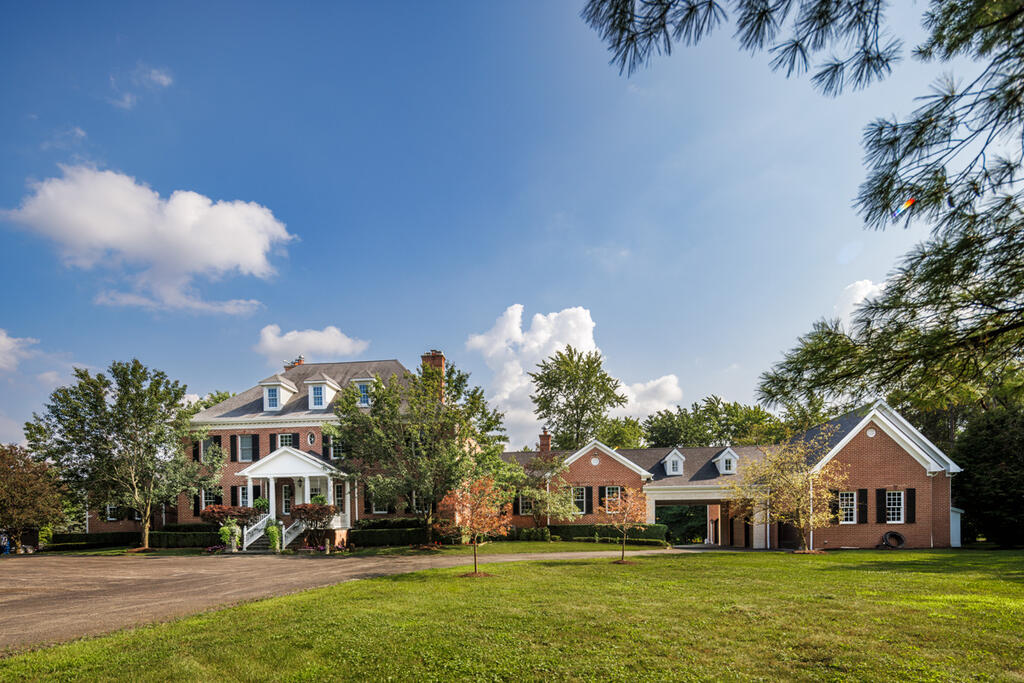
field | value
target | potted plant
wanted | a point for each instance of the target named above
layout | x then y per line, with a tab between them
261	504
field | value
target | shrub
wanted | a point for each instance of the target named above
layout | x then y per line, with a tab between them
631	541
174	528
535	534
556	538
105	539
183	539
274	536
261	504
375	537
220	514
390	523
655	531
318	500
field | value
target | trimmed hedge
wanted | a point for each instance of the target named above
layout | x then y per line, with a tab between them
369	537
194	526
655	531
390	523
104	539
629	541
183	539
55	547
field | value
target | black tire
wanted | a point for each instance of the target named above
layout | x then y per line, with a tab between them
894	539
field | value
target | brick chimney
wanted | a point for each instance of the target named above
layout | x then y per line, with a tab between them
298	361
434	359
545	441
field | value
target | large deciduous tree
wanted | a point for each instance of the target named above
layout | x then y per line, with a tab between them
787	486
119	440
621	432
714	422
30	496
421	436
950	321
573	394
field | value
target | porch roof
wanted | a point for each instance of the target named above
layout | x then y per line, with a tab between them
290	462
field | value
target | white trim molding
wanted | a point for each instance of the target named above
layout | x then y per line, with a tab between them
611	453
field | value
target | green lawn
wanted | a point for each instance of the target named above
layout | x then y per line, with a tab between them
869	615
501	547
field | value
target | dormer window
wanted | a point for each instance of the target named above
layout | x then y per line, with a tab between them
727	464
272	403
673	467
321	390
276	392
364	394
318	396
726	461
674	463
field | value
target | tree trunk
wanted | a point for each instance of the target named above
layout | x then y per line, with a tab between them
475	569
146	514
623	558
430	527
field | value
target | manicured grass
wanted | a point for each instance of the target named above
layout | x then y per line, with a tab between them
939	615
499	548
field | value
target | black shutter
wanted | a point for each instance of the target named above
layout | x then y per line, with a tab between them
911	503
219	499
195	505
862	506
590	500
367	503
295	441
601	493
273	442
216	440
234	448
515	504
255	447
879	506
234	495
325	446
256	493
195	451
833	506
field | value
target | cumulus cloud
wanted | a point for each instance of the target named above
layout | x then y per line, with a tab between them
853	295
13	350
110	220
152	77
328	343
512	351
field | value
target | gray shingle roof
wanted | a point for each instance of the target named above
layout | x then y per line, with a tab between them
248	405
832	432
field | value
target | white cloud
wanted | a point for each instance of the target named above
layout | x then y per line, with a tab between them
124	100
13	350
153	77
108	219
11	431
853	295
65	139
48	379
328	343
511	352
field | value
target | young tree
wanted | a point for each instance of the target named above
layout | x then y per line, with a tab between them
573	394
30	496
476	509
120	440
952	316
626	512
621	432
317	518
787	486
420	436
541	483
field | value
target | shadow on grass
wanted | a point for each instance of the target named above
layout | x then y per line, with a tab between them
1000	565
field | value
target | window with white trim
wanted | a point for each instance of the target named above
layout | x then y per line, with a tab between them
245	448
209	498
579	499
314	490
673	466
286	499
271	398
243	496
380	508
364	394
285	440
727	465
204	448
416	507
612	493
847	507
525	506
339	497
318	396
336	448
111	513
894	507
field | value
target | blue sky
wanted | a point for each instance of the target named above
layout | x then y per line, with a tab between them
435	176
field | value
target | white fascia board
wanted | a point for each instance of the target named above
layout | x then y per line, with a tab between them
915	434
728	451
611	453
254	469
256	423
324	380
674	452
897	435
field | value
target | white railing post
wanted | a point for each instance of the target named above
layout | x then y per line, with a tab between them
255	530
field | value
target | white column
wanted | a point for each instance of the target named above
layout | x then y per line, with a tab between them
248	491
305	486
330	491
352	500
349	507
272	497
650	510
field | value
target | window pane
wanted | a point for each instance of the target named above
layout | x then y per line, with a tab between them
285	440
339	497
894	506
364	394
848	507
579	497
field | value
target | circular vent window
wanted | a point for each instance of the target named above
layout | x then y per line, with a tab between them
871	432
595	460
311	438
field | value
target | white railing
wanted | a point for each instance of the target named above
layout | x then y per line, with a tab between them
255	530
339	521
292	532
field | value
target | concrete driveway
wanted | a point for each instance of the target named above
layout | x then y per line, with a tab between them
46	599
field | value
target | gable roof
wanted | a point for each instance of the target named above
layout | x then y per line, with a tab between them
248	405
299	463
